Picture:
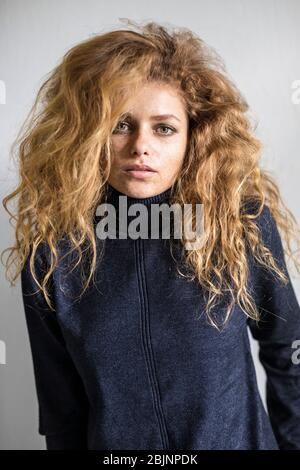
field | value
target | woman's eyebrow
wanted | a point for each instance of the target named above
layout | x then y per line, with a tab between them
157	117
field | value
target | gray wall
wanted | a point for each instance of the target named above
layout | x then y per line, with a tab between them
258	41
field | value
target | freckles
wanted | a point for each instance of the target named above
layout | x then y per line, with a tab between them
117	146
176	149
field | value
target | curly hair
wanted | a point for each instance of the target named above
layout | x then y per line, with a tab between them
64	157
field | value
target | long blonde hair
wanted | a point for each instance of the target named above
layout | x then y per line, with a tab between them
64	156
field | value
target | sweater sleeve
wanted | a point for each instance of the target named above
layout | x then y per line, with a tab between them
278	336
62	401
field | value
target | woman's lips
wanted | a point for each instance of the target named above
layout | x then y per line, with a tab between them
140	174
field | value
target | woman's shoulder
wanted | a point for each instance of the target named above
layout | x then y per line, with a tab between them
262	216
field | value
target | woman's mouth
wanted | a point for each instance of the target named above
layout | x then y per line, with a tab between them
140	174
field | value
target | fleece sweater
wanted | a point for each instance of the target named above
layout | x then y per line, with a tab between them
134	364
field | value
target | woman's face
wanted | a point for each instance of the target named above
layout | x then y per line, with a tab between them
146	136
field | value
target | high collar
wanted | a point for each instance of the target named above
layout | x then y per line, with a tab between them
112	197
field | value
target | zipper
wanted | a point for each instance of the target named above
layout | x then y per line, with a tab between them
146	340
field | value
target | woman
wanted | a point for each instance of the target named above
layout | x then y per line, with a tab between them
154	352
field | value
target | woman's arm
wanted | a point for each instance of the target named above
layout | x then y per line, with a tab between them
277	335
63	404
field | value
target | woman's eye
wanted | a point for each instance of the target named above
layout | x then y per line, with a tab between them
169	129
120	124
120	129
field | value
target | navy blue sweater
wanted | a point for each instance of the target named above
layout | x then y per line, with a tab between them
134	364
